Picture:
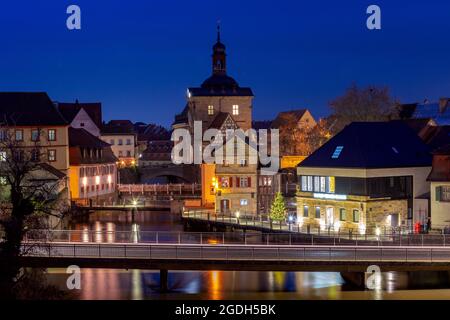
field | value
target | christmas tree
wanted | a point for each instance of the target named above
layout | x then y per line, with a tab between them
278	209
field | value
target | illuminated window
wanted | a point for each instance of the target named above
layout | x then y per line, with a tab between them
322	184
35	135
342	214
337	152
243	182
355	216
310	183
51	155
19	135
235	109
244	202
306	211
51	135
210	110
317	212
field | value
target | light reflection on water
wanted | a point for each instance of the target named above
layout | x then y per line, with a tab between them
144	284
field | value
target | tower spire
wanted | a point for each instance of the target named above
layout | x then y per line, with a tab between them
218	30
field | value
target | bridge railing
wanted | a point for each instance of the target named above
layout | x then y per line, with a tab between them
237	253
234	238
193	188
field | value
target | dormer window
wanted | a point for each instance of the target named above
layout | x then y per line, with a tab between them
235	109
210	110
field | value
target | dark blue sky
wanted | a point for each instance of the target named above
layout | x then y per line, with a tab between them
138	57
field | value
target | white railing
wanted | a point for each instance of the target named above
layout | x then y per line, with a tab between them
238	252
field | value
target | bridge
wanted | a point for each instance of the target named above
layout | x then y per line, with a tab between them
180	173
227	251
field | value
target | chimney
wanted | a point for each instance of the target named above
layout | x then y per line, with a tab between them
443	102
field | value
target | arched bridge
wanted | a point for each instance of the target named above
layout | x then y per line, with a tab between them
172	173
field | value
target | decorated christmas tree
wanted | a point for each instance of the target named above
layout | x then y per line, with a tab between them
278	209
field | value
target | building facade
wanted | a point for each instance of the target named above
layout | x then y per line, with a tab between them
120	135
93	168
369	176
440	188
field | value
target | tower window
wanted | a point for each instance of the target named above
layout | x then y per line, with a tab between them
235	109
210	110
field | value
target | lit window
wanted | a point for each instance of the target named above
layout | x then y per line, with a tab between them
310	183
51	135
19	135
342	214
322	184
35	135
120	142
303	184
317	212
337	152
225	182
51	155
210	110
3	156
355	216
244	202
243	162
235	109
128	141
305	211
3	181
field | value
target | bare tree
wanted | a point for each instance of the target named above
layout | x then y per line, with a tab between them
363	104
28	198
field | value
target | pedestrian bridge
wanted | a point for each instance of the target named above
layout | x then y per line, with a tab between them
235	257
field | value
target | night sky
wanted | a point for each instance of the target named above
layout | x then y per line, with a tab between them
138	57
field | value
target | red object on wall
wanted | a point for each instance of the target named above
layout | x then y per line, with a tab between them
249	182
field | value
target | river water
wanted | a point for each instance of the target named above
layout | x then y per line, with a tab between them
144	284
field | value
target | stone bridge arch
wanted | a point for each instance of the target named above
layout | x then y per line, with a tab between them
173	173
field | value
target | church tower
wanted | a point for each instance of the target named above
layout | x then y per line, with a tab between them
219	100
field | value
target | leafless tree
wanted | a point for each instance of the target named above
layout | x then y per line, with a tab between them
27	199
371	103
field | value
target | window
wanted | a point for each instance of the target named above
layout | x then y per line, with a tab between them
111	142
120	153
128	142
244	202
304	184
81	124
225	182
443	193
235	109
2	156
337	152
2	135
355	216
128	153
35	155
317	212
210	110
243	162
342	214
51	135
322	184
52	155
310	183
120	142
35	135
18	155
243	182
305	211
19	135
317	184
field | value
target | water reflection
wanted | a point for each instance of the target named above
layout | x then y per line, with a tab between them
144	284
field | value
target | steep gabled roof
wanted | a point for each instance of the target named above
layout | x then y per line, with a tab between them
79	137
29	109
372	145
287	116
70	111
220	120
